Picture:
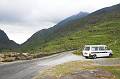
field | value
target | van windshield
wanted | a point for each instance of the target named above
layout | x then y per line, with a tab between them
87	48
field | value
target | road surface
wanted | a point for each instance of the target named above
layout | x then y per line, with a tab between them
28	69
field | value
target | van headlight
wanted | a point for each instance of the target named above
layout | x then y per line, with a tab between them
92	53
85	53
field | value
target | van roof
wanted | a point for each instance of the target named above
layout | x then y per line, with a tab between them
94	45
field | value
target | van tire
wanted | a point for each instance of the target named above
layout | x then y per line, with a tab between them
110	55
94	56
86	57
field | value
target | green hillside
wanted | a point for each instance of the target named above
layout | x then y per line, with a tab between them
100	27
106	33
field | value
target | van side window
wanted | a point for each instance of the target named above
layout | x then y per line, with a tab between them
94	49
87	48
101	48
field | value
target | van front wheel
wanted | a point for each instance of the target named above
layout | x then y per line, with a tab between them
110	55
94	56
86	57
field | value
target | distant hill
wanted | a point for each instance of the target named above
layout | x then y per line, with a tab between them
99	27
5	43
45	35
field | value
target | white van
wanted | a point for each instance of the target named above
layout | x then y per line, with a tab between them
94	51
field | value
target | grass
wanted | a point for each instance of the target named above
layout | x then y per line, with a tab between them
106	33
68	68
113	69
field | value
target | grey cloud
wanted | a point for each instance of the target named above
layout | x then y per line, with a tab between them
10	17
34	15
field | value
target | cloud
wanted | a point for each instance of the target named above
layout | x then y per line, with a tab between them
22	18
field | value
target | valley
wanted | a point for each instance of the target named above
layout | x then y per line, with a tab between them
57	38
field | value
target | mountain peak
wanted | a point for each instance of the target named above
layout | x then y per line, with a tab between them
82	13
3	36
6	43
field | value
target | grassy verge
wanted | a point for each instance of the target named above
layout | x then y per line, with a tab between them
113	69
68	68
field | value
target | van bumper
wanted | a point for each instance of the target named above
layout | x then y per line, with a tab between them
89	56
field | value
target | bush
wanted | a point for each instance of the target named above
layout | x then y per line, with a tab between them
77	52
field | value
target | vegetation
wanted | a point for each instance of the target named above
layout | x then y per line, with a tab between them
106	33
114	69
71	67
64	69
77	52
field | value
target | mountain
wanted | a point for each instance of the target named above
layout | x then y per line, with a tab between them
5	43
72	18
99	27
100	16
45	35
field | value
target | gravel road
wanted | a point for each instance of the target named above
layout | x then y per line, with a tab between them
28	69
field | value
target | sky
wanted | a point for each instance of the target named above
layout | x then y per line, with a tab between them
22	18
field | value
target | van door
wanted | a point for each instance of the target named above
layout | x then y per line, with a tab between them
103	52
